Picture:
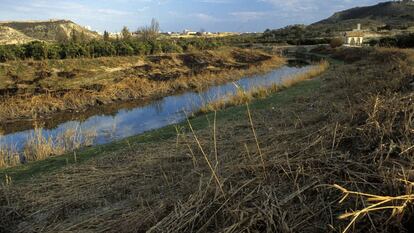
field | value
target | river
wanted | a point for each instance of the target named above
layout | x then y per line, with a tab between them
124	121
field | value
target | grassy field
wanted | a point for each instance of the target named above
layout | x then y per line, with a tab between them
34	89
295	161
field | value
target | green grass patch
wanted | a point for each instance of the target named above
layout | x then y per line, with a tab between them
33	169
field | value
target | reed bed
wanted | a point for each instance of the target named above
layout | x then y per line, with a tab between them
40	146
9	156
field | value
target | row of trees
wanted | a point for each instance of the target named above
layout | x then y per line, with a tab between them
100	48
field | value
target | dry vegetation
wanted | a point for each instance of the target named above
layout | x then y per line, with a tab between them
40	147
241	97
35	89
283	167
9	156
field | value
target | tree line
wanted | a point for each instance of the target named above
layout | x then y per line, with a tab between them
39	50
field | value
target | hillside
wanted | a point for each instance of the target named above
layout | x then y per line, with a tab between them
397	15
11	36
387	18
52	30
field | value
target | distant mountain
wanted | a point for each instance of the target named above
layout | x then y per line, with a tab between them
51	30
391	15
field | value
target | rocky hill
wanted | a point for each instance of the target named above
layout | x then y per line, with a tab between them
387	15
51	30
11	36
383	19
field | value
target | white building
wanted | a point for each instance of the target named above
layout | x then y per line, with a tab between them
188	32
355	37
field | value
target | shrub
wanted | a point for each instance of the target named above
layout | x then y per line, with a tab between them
336	42
123	49
36	50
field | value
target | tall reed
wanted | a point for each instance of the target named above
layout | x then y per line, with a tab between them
39	146
9	156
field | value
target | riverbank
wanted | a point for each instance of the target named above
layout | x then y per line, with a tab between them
37	89
243	97
271	167
39	143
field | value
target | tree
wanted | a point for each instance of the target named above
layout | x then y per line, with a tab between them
126	34
150	33
155	27
106	36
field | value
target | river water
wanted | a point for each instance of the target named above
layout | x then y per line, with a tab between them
125	122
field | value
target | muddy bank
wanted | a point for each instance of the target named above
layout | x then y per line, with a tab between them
38	89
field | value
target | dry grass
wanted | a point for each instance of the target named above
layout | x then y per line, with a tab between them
242	97
355	131
39	146
9	156
398	205
315	71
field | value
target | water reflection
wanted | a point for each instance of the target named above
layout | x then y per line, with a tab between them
169	110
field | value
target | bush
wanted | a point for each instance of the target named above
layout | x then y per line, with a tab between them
99	48
123	49
141	48
36	50
336	42
168	47
4	55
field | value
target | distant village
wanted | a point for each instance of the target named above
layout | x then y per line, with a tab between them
185	34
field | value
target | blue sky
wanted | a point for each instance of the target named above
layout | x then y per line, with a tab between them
176	15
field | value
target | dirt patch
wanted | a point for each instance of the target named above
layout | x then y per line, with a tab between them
66	74
195	62
165	76
245	57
